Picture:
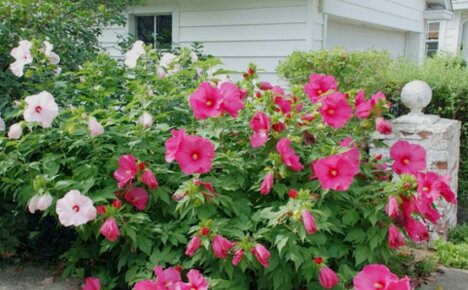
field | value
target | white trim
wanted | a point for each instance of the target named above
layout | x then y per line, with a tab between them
459	4
438	15
156	9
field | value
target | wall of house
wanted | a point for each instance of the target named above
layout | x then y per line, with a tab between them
362	37
452	33
396	14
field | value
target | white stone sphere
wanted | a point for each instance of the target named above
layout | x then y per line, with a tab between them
416	95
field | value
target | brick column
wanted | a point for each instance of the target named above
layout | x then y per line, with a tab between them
441	139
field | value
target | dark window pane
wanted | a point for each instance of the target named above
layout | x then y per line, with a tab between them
164	31
145	29
431	48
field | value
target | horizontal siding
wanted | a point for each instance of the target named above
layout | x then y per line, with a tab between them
453	34
206	5
354	37
392	14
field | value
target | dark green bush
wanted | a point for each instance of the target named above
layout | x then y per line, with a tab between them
376	71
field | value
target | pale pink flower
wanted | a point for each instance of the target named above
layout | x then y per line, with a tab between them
328	278
193	246
22	55
110	229
15	131
146	120
132	56
95	128
221	246
51	56
40	108
91	283
262	254
40	202
75	209
2	124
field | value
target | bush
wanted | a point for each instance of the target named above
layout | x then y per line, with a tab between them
377	71
301	196
452	255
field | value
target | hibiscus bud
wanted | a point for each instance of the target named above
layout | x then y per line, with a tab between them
91	283
221	246
392	207
15	131
251	71
378	157
258	95
193	246
40	202
110	229
395	238
243	93
318	260
309	222
149	179
146	120
292	193
205	231
245	76
267	184
265	86
407	185
328	278
178	196
278	127
237	257
117	203
101	209
262	255
383	127
95	128
141	165
197	182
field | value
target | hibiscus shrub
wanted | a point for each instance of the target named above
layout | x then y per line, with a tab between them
164	163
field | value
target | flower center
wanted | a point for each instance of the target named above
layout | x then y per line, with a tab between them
76	208
330	111
25	57
426	189
378	285
209	103
406	161
319	91
195	156
333	172
38	109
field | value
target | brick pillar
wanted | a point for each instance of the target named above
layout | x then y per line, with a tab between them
441	139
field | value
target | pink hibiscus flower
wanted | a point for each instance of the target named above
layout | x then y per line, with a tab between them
363	108
40	108
391	208
237	257
337	171
196	281
290	158
195	155
221	246
328	278
232	99
408	158
126	171
262	254
173	144
206	101
319	85
335	110
91	283
416	230
267	184
138	197
309	222
110	229
383	126
260	124
395	238
376	277
167	279
149	179
193	246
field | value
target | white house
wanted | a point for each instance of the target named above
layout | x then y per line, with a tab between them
266	31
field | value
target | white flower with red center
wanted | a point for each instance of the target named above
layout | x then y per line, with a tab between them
75	209
41	108
132	56
22	56
51	56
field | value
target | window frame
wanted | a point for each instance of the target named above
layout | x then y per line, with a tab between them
155	10
432	41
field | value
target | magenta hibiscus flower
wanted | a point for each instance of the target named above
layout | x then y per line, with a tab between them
290	158
337	171
335	110
126	171
319	85
206	101
260	124
379	277
408	158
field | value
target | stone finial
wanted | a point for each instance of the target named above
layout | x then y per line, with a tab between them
416	95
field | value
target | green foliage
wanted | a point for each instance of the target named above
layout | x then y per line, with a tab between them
377	71
352	225
452	255
459	234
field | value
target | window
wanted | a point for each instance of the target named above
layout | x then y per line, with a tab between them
432	38
155	30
